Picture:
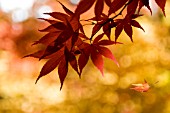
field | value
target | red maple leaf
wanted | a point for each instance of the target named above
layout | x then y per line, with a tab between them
85	5
116	5
138	4
95	50
161	4
126	24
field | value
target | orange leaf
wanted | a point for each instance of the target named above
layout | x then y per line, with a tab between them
142	87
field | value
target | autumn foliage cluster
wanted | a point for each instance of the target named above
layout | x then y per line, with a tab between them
67	44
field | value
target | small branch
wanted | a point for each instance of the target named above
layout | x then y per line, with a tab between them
111	19
120	13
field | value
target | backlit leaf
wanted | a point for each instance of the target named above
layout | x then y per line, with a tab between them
98	38
62	70
48	38
107	53
83	6
144	3
83	59
96	28
50	28
161	4
143	87
107	42
72	60
116	5
128	30
48	20
59	16
69	12
136	24
107	30
118	30
49	66
108	2
97	60
131	8
98	8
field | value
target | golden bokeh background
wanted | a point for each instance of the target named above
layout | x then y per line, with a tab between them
148	57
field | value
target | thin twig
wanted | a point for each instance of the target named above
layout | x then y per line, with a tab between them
112	18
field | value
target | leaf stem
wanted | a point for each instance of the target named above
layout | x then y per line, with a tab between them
112	18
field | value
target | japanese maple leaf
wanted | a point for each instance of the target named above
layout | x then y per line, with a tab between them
95	51
105	23
116	5
126	25
85	5
138	4
142	87
59	41
161	4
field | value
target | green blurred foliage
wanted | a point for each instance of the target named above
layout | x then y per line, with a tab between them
148	57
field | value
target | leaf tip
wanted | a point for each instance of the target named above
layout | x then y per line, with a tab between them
37	80
61	86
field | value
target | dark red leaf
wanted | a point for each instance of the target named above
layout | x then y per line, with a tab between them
60	26
58	15
144	3
75	24
50	28
97	60
107	53
98	8
83	58
98	38
69	12
136	24
161	4
74	38
48	38
133	16
49	66
108	2
69	27
72	60
83	36
131	8
64	36
107	42
55	54
37	54
107	30
50	21
116	5
46	54
83	6
81	28
96	28
82	45
128	30
62	70
118	30
76	52
51	49
57	26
